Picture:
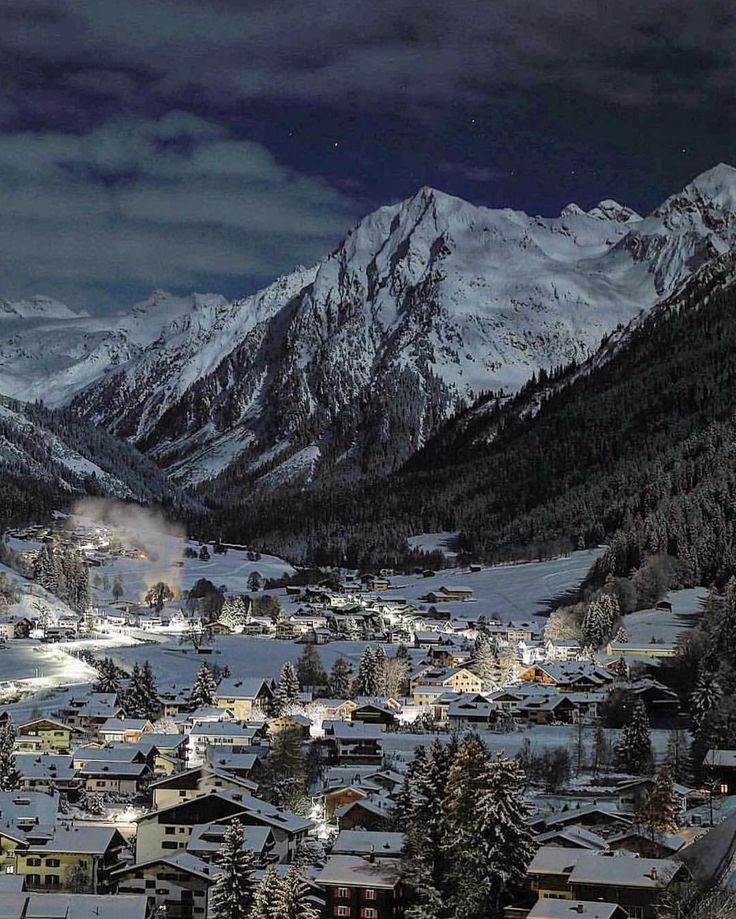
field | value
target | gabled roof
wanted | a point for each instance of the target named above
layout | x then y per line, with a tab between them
354	871
549	908
646	873
242	688
125	724
91	840
182	861
55	725
365	842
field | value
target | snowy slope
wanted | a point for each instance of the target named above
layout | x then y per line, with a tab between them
354	362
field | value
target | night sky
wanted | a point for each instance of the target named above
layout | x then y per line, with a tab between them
212	145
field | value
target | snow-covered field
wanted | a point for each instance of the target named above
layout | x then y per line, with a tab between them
231	571
511	591
664	625
444	542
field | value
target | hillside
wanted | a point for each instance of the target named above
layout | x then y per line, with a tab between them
50	459
636	448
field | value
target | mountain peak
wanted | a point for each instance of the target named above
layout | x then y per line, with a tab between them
36	307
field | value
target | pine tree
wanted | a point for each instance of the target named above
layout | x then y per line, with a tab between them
678	756
309	668
600	619
10	778
659	812
485	662
233	892
424	867
380	658
265	896
204	687
504	842
634	748
287	690
340	678
149	692
108	676
601	751
291	899
287	766
366	682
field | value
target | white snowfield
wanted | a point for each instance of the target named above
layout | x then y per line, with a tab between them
514	591
435	288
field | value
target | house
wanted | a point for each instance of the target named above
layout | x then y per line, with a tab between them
74	858
91	712
299	723
26	818
458	679
124	730
195	782
721	764
369	813
640	841
469	712
47	772
353	742
549	871
374	713
164	830
44	735
636	884
361	888
206	842
632	794
651	648
14	626
575	676
176	884
446	594
244	762
244	696
120	778
364	843
204	734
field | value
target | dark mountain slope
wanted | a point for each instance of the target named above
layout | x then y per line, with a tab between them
638	447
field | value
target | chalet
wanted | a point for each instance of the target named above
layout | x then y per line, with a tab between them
26	818
166	829
374	713
640	841
550	869
652	648
575	676
44	735
365	842
176	884
215	733
353	742
47	772
206	842
661	702
636	884
299	723
604	816
243	762
467	713
632	794
447	594
370	813
721	764
72	906
361	888
89	713
74	858
195	782
243	696
121	778
459	679
124	730
573	837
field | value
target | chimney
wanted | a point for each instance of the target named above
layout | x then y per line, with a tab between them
580	908
653	874
372	853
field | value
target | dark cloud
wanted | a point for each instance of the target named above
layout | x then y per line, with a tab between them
177	142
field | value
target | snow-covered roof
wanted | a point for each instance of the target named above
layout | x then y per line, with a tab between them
354	871
363	842
241	688
647	873
549	908
91	840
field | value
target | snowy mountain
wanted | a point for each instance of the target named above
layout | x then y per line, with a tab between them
50	458
353	363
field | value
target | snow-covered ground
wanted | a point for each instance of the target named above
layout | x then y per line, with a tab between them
511	591
230	571
444	542
665	626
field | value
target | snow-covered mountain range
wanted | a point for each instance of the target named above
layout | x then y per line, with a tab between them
353	362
